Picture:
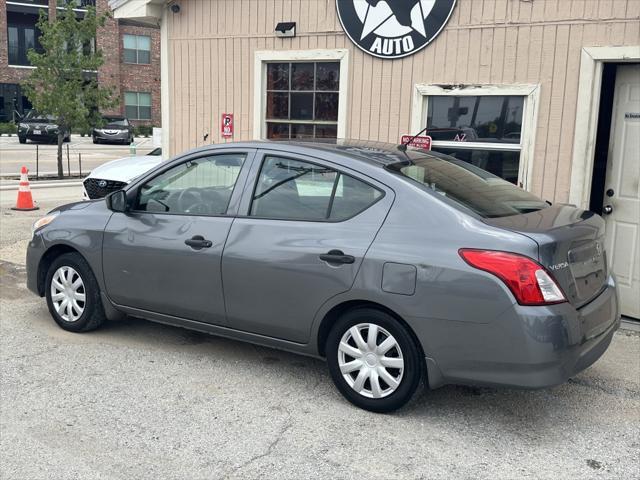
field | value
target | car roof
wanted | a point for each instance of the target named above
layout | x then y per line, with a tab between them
369	152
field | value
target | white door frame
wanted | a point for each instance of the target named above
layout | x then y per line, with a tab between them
584	140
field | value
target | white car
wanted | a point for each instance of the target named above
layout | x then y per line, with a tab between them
114	175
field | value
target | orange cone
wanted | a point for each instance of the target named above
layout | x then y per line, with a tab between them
25	201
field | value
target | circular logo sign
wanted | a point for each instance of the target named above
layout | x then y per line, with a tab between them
393	28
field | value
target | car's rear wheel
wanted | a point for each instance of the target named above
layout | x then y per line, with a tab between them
73	294
373	360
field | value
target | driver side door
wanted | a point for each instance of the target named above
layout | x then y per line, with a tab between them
164	255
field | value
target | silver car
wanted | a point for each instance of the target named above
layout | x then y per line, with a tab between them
393	264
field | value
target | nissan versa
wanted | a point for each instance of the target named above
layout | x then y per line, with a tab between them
391	263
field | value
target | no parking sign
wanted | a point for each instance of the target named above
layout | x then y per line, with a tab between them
226	126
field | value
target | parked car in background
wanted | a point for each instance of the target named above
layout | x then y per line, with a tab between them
389	263
39	128
115	129
116	174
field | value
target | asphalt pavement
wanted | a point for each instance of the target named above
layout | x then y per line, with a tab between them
138	400
83	155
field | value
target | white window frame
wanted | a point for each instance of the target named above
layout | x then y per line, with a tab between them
531	94
261	58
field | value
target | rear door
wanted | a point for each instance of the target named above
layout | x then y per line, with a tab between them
164	256
306	229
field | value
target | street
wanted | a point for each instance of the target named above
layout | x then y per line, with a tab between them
14	155
138	400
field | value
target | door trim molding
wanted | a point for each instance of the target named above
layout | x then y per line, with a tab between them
584	140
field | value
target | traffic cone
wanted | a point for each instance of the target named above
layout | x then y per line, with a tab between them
25	201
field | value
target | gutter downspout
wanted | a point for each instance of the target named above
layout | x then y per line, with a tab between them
164	84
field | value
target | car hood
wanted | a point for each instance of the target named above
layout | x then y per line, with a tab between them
125	169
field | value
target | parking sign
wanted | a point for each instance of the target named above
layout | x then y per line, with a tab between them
227	125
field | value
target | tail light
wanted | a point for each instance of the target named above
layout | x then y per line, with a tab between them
529	282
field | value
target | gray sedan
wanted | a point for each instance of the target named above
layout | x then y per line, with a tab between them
393	264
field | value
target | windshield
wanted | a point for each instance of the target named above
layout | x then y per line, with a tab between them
115	121
484	193
33	116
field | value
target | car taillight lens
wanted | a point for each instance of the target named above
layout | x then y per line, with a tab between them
529	282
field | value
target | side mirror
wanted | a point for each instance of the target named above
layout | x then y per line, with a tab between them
117	201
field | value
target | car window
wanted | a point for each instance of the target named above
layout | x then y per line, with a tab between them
293	190
201	186
484	193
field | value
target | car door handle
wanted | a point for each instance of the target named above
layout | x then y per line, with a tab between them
198	242
337	256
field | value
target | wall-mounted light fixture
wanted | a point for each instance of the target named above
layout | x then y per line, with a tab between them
286	29
174	7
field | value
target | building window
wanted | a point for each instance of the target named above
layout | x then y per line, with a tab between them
302	99
137	105
137	49
22	36
300	94
491	127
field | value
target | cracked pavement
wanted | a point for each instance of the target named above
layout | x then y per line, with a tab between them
138	400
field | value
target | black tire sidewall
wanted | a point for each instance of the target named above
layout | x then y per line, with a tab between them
93	304
411	354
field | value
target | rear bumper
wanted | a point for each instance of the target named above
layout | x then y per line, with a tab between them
528	347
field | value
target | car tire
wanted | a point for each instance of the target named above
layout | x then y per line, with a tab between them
62	284
402	365
67	139
95	140
22	139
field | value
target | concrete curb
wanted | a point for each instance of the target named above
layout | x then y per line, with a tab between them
37	185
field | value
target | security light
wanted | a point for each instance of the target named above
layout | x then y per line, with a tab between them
286	29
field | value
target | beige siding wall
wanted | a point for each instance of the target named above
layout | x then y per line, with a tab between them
212	45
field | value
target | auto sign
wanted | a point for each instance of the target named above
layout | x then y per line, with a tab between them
396	28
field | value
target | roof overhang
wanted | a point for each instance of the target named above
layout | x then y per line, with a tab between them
145	11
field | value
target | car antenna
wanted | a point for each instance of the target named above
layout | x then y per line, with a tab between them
403	146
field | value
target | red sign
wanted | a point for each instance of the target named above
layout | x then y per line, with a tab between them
226	126
423	142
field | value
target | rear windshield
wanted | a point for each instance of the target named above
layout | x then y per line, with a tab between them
484	193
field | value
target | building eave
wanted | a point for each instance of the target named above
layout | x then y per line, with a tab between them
144	11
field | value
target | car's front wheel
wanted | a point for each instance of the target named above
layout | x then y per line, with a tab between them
373	360
73	294
22	139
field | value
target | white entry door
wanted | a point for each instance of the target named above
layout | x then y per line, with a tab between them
622	189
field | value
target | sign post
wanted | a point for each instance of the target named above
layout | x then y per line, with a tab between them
226	125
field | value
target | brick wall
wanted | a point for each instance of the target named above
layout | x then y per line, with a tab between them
142	78
115	74
107	40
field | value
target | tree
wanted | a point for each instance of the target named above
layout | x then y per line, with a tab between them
64	82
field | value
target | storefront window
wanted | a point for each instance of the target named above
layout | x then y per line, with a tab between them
302	100
484	130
